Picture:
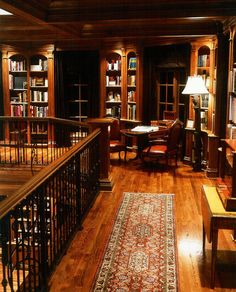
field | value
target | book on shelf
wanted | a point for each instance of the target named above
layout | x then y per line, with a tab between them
131	80
113	80
233	80
131	96
113	111
18	110
203	60
40	96
131	110
17	65
114	65
38	111
42	65
132	63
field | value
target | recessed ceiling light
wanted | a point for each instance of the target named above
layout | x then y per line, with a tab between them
4	12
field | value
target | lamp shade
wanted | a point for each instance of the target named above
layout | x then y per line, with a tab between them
195	85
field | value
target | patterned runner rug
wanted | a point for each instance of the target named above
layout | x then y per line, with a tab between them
141	252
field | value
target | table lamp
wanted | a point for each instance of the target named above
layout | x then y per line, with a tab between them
195	87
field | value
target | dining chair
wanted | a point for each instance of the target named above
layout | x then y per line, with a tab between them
116	143
164	148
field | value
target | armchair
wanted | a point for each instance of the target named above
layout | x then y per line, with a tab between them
165	148
116	143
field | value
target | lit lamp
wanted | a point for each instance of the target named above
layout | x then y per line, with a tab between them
195	87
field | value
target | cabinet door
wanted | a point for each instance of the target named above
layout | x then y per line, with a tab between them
169	92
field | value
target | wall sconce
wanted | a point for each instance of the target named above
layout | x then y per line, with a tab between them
195	87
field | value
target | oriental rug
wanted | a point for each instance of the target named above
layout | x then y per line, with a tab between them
141	251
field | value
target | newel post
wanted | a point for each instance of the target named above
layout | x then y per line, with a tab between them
104	151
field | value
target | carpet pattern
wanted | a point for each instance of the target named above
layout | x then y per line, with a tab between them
141	252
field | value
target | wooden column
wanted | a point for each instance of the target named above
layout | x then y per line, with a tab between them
104	151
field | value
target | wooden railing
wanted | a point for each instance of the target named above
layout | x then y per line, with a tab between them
37	141
39	220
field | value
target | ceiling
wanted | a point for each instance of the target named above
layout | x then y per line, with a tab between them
68	23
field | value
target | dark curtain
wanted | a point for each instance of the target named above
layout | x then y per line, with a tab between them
75	66
60	110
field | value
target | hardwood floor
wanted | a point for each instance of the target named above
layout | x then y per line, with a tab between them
78	267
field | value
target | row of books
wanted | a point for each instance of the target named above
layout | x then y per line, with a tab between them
132	63
131	95
38	111
203	61
113	65
131	112
20	97
114	111
131	80
206	79
38	81
18	110
41	96
17	65
113	80
41	65
232	81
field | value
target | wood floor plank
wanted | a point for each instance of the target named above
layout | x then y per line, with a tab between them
78	267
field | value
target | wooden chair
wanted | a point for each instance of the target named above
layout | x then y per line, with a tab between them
165	148
116	143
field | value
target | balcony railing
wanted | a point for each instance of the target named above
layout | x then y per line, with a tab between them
39	220
37	141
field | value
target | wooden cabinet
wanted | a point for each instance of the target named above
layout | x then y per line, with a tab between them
120	84
28	84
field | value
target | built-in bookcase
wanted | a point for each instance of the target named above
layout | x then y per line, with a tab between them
113	85
203	63
38	86
27	88
120	84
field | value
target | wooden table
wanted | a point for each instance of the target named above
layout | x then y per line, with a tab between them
142	135
214	218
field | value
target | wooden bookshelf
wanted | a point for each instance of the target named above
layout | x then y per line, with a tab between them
120	88
28	85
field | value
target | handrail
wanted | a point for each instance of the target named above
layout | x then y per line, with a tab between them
10	202
38	221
